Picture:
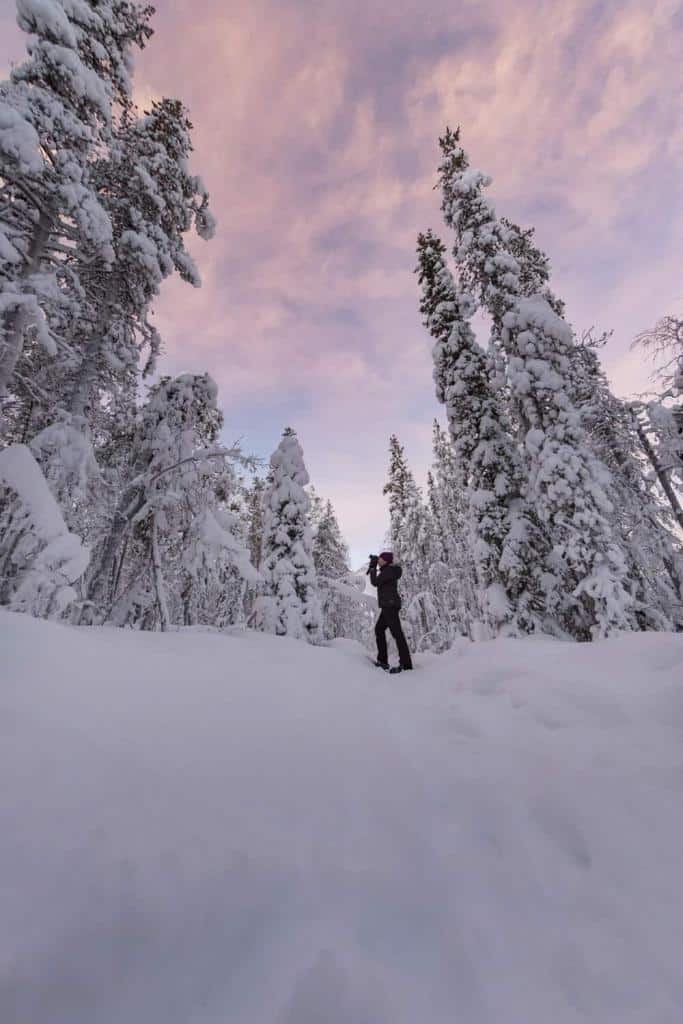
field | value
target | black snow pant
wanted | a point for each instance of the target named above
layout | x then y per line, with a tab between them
389	619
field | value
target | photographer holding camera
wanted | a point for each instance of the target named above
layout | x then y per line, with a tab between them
385	576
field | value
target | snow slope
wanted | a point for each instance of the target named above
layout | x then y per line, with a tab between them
205	828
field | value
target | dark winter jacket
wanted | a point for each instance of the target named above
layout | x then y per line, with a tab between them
386	580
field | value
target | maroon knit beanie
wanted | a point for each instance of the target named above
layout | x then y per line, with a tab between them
387	556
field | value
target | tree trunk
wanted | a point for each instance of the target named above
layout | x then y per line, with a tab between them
159	587
81	395
660	473
104	581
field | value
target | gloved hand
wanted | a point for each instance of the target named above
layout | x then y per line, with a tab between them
373	563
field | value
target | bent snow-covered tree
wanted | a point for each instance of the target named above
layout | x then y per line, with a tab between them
290	605
174	544
586	579
660	420
646	526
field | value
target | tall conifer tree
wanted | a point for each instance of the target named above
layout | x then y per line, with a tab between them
507	544
586	579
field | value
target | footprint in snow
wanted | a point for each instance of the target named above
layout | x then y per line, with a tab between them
455	722
326	992
559	828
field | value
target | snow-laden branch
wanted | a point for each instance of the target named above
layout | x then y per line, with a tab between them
353	594
234	453
43	558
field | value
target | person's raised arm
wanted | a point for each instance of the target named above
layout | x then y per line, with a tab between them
391	572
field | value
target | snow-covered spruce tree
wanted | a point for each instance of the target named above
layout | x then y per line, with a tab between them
487	269
316	508
290	605
507	544
586	581
330	551
453	573
415	547
400	483
533	274
175	542
253	518
434	504
440	578
338	597
649	548
56	115
346	610
254	500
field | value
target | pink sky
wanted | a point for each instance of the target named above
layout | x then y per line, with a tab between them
316	126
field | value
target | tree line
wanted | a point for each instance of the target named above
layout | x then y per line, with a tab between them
551	505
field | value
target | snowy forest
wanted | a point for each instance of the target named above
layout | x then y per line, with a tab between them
218	805
551	507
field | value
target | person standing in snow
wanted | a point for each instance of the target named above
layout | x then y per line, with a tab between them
385	576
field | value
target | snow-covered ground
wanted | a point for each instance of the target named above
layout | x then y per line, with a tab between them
210	829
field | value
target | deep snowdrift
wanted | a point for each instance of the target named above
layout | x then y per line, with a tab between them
206	828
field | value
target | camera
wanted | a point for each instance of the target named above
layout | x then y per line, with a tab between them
373	562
